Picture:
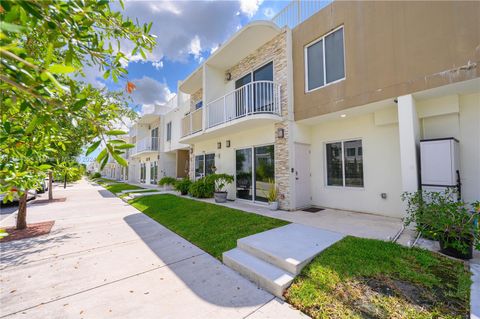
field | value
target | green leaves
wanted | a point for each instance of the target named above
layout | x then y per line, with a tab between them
92	148
115	132
60	69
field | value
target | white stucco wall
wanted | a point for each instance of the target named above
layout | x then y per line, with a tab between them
381	166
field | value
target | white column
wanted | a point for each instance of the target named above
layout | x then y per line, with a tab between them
409	133
147	173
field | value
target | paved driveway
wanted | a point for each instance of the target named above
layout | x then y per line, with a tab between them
104	259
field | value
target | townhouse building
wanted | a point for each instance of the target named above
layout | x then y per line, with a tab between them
330	106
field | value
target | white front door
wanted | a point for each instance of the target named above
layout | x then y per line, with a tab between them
302	175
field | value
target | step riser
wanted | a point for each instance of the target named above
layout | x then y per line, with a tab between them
264	283
280	263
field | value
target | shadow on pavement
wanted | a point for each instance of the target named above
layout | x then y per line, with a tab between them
204	275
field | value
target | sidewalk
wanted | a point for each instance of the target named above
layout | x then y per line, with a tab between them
104	259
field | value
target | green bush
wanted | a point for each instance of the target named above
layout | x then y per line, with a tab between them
202	188
167	180
183	186
442	217
220	181
96	175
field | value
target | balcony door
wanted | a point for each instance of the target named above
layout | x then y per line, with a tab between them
256	97
263	91
154	136
242	95
255	171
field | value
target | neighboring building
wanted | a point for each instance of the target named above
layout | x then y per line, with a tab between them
330	106
240	111
370	80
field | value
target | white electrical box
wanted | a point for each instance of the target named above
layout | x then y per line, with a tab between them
439	159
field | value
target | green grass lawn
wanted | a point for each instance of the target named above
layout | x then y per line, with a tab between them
364	278
117	188
211	227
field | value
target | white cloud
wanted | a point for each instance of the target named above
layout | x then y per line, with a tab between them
157	64
195	47
250	7
188	27
150	92
269	12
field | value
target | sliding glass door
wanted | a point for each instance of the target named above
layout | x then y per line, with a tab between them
255	171
244	173
264	171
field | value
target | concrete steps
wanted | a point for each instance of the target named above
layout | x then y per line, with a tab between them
273	258
265	275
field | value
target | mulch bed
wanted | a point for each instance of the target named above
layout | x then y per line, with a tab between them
32	230
55	200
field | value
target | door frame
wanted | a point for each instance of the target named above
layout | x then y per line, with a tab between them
253	172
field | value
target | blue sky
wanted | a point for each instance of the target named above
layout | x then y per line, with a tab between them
187	32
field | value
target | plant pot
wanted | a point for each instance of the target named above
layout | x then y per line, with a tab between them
220	197
273	205
453	252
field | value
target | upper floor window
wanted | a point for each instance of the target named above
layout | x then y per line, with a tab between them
198	105
169	131
324	60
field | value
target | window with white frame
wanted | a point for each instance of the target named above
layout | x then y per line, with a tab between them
324	60
204	165
169	131
344	163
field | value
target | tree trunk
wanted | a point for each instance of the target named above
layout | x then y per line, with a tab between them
65	181
22	212
50	184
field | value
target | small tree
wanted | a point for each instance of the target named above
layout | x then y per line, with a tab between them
44	46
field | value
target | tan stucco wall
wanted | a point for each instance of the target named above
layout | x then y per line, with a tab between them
391	49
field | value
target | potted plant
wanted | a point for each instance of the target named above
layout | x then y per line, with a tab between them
183	185
441	217
272	196
167	181
220	181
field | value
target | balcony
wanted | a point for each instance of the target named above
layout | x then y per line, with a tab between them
146	145
192	123
253	104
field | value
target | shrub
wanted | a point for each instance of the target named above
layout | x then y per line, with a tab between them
202	188
441	217
167	180
96	175
183	185
272	194
220	181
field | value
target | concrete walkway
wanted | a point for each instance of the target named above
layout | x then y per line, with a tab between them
104	259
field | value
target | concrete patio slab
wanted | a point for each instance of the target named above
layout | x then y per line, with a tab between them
104	259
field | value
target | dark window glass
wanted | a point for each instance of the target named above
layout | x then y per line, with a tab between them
243	95
209	164
169	131
244	170
263	91
264	171
154	135
315	65
199	166
334	61
198	105
353	165
334	164
350	151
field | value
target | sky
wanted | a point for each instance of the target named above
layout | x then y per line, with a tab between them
187	33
